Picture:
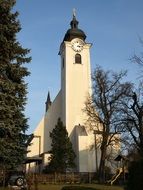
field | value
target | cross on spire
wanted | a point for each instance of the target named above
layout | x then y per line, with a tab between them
74	12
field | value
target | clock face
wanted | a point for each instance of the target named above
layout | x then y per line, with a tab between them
77	45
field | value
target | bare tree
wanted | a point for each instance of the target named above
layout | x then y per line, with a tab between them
138	59
104	109
134	110
133	120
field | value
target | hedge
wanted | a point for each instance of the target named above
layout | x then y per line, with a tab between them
135	179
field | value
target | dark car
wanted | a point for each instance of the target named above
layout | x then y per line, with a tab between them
17	180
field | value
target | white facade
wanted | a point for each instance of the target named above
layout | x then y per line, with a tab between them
69	103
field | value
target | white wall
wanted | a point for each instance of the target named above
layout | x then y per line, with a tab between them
50	120
34	147
44	127
76	85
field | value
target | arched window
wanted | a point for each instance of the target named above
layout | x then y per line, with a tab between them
78	58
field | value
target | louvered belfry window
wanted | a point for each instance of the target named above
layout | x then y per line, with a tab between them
78	58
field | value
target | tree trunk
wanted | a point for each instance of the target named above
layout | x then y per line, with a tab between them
102	164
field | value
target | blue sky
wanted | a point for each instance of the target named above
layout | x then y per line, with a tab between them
112	26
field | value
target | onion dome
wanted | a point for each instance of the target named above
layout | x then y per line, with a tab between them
74	31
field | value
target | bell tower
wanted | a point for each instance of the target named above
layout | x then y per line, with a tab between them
75	87
75	75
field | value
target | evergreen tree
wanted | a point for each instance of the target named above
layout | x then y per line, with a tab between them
62	155
13	89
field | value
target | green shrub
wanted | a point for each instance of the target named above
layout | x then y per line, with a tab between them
77	188
135	178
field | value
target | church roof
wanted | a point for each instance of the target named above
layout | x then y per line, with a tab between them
74	31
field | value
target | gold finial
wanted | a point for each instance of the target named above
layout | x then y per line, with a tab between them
74	12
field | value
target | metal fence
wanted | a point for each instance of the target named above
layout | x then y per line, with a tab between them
68	178
53	178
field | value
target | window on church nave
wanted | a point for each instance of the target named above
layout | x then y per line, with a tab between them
78	58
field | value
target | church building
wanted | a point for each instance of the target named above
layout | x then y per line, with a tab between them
68	105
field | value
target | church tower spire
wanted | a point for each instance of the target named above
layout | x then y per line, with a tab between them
48	102
74	31
74	22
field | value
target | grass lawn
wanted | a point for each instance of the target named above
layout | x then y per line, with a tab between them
96	186
59	187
